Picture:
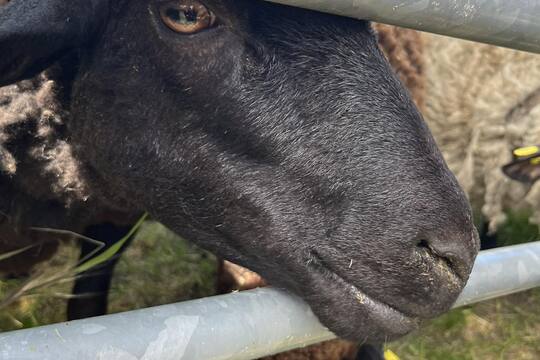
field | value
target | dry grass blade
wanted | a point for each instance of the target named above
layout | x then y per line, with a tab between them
13	253
110	252
42	280
99	244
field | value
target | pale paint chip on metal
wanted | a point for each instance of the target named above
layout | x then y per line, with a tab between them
172	341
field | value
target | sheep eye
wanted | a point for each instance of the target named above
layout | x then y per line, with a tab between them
186	17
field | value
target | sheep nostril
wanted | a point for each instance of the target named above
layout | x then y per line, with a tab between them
423	244
445	256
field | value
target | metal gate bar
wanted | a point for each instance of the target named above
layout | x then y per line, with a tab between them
509	23
238	326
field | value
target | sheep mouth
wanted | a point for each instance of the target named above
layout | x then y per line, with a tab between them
358	294
388	321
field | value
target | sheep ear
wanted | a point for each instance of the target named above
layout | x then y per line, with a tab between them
523	170
34	33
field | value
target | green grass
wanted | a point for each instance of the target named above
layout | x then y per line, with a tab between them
44	307
158	268
517	229
161	268
505	328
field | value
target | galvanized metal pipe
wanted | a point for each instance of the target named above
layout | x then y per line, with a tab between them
239	326
502	271
509	23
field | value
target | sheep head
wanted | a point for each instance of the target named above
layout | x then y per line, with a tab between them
279	138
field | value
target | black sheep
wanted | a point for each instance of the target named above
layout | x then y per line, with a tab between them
275	137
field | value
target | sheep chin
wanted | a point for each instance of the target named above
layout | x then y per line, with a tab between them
370	320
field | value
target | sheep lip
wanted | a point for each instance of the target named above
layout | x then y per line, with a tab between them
384	321
373	305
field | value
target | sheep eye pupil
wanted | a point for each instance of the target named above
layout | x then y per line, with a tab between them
184	17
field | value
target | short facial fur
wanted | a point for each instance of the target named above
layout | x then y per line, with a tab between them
280	139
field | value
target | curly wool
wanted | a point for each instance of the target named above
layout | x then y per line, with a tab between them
483	101
33	148
41	181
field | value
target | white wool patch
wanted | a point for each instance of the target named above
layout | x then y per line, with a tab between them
481	102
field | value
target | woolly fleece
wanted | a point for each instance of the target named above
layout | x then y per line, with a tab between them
481	102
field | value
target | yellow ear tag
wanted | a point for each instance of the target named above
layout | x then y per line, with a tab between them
390	355
526	151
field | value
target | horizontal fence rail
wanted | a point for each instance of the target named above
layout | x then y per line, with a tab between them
509	23
238	326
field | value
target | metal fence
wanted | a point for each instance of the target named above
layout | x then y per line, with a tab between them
255	323
238	326
512	24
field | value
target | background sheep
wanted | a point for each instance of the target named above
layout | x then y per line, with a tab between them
482	102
